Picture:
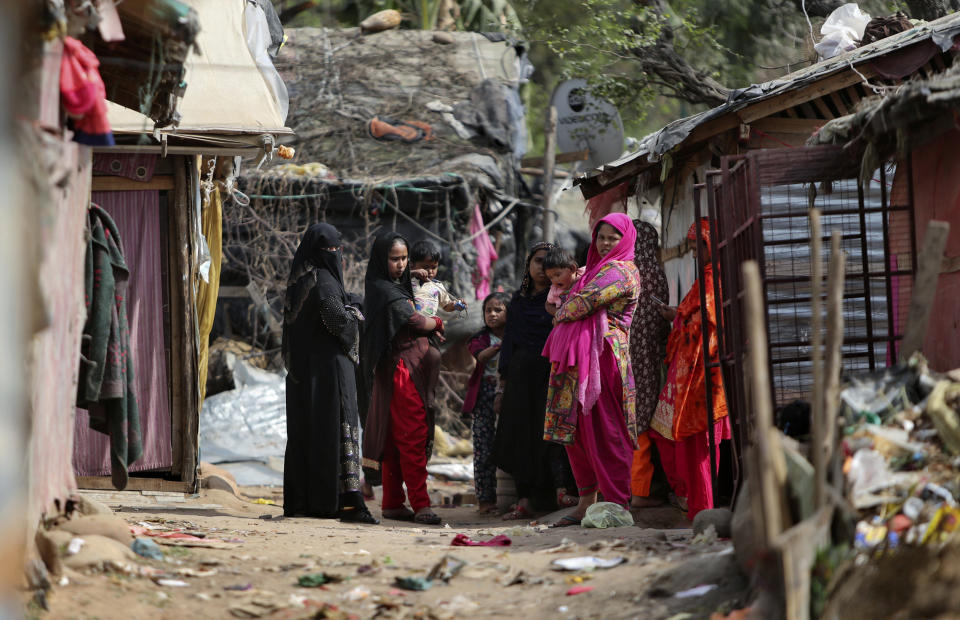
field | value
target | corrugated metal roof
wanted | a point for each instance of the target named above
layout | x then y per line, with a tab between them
652	147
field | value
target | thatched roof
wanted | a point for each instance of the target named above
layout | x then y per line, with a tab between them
339	79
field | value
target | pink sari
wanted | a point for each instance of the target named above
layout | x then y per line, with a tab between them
579	344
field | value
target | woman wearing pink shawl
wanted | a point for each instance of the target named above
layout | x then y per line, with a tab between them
590	398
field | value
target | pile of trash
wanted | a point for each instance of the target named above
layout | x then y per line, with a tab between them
901	450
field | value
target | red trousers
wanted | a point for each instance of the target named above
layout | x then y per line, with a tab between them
405	455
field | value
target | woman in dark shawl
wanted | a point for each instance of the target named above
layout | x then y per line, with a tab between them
321	474
399	370
519	447
648	343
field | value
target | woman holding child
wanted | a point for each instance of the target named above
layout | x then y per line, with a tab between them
590	400
399	370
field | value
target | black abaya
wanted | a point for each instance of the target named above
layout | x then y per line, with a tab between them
320	338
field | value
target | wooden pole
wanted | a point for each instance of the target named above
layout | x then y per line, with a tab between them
816	356
549	161
924	288
767	449
834	360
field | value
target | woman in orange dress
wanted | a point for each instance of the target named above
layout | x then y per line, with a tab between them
679	425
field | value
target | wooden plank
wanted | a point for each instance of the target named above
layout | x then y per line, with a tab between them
773	140
816	357
561	158
838	102
792	113
854	96
771	500
549	161
162	182
924	288
798	548
539	172
793	98
778	124
821	107
103	483
175	295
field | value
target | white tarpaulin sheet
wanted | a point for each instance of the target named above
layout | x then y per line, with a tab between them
226	92
244	430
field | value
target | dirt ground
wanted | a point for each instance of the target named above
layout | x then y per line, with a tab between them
262	555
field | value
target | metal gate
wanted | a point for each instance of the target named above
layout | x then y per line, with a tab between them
758	205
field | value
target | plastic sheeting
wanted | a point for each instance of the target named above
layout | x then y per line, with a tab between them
245	429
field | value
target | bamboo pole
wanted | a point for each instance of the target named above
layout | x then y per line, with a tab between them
835	286
816	356
765	462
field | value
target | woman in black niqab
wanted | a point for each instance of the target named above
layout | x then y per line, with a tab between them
399	372
321	476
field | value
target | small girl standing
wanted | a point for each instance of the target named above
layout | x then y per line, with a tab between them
481	392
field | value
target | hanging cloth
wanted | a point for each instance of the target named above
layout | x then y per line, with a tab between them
106	381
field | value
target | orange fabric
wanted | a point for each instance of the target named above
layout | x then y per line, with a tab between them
682	410
641	472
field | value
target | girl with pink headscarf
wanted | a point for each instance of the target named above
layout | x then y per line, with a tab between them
591	398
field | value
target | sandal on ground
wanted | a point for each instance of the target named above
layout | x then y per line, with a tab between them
427	517
398	514
565	500
358	515
517	514
566	521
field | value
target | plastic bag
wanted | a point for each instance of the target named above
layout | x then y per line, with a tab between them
842	31
607	514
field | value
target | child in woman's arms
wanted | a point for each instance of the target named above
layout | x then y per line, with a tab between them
563	272
429	294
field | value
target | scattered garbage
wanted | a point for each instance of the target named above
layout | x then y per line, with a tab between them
842	31
707	536
697	591
239	587
172	583
900	459
358	593
75	545
462	540
587	563
458	605
579	590
446	569
607	514
315	580
417	584
146	548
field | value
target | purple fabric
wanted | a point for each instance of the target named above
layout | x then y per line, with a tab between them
137	215
135	166
579	343
602	453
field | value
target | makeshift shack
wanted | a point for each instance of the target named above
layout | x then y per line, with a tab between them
416	131
743	165
147	176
